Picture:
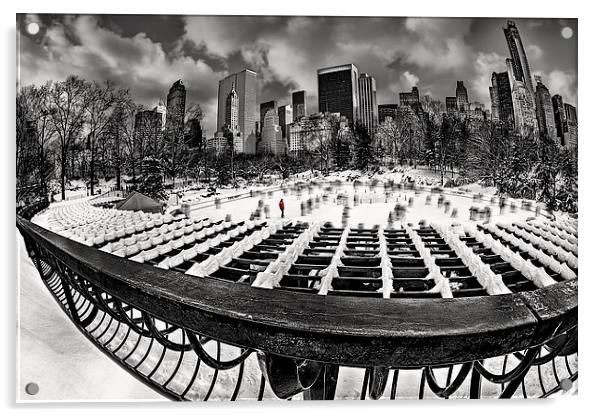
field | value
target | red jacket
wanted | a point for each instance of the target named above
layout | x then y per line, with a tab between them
281	204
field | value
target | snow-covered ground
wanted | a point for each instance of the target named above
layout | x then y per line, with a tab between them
66	366
53	354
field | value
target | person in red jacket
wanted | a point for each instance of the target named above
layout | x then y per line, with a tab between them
281	205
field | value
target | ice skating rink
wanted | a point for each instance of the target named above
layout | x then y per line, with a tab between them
66	366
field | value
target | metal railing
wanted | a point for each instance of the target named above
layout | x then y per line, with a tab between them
193	338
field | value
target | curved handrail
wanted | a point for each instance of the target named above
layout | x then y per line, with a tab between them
337	330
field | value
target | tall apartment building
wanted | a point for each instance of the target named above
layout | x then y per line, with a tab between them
495	104
501	98
560	119
298	104
176	108
285	118
368	107
544	109
264	108
461	96
272	141
525	117
519	64
245	85
338	91
571	123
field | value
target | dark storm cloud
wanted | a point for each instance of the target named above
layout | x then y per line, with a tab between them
148	53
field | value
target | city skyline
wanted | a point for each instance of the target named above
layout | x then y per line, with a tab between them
399	52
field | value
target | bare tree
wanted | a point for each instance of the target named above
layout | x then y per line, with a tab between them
129	142
34	121
68	101
193	113
389	138
101	101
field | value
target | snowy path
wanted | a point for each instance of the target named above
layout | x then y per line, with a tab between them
51	349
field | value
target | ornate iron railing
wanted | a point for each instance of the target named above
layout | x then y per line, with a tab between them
193	338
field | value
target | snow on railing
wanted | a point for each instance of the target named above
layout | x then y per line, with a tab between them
489	280
441	282
385	265
332	271
538	276
271	276
562	249
562	269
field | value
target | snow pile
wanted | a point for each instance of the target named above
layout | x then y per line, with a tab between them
385	265
274	272
213	263
561	248
566	240
441	282
562	269
489	280
538	275
566	225
332	271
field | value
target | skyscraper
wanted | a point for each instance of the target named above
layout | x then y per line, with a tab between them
545	109
560	118
298	104
245	85
520	66
368	111
272	141
502	93
193	135
264	108
571	113
176	107
523	103
495	104
571	124
231	121
338	91
285	118
461	96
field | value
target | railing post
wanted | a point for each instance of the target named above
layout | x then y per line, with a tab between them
325	386
475	384
69	298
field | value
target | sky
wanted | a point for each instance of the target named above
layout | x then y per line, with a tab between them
148	53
